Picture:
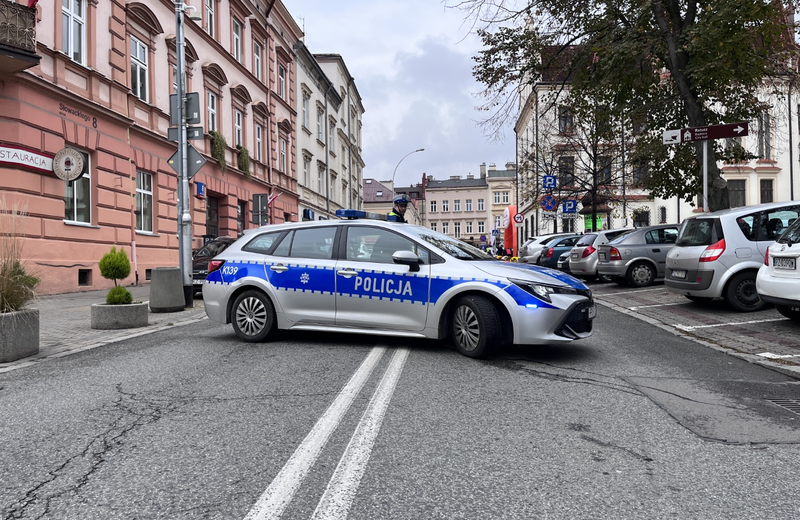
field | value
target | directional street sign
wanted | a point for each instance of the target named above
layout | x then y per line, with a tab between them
549	203
704	133
569	206
549	182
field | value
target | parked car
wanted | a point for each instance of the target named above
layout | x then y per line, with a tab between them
638	257
553	249
778	280
416	283
532	248
583	257
719	254
202	256
563	262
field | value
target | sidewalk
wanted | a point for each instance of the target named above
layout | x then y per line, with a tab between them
65	324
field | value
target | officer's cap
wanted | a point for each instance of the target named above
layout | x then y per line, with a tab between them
400	199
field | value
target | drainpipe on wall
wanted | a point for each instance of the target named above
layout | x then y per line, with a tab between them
349	136
132	172
327	157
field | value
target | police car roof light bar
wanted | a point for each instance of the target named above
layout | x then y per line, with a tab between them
355	213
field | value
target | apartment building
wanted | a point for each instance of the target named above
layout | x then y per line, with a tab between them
101	86
458	206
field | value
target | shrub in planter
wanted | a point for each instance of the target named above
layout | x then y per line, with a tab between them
19	327
119	311
115	265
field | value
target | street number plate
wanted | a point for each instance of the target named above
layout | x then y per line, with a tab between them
783	263
197	282
592	312
679	274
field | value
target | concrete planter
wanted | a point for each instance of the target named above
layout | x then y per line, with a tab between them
123	316
19	334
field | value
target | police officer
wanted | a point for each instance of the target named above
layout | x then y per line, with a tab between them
400	205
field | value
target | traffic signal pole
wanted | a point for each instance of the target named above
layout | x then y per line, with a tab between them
184	215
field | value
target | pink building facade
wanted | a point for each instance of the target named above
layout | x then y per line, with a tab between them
102	87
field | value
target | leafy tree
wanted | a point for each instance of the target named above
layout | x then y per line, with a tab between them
671	63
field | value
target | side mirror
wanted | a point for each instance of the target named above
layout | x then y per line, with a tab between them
407	258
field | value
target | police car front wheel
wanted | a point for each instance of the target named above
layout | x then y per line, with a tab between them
253	316
475	326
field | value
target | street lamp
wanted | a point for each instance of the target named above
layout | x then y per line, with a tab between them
401	160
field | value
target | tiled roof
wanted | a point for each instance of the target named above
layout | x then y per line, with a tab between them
371	189
457	183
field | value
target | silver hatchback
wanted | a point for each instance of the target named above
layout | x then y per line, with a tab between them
638	257
583	257
719	254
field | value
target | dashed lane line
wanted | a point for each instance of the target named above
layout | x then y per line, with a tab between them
689	328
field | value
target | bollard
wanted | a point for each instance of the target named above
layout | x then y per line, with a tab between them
166	290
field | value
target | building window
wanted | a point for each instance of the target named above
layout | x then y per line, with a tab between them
496	197
237	127
445	227
662	215
77	196
505	197
212	216
257	59
306	101
480	204
457	205
445	206
241	212
212	112
566	171
469	204
73	29
332	140
139	69
640	174
469	227
259	143
282	81
210	18
320	185
283	155
736	189
568	225
497	222
174	79
481	226
144	202
457	229
764	136
306	165
433	226
237	40
433	206
319	127
766	191
566	123
604	169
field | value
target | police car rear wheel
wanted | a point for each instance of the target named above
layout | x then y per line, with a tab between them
475	326
253	316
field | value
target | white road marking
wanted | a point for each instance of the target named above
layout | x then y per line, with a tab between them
280	492
628	292
689	328
658	305
770	355
341	490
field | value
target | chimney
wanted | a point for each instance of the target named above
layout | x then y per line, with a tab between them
470	176
511	166
492	167
455	177
483	169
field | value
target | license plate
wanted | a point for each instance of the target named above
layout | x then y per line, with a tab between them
601	256
197	282
592	312
679	274
574	256
783	263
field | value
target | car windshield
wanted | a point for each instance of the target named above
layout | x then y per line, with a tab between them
624	237
792	233
452	246
586	240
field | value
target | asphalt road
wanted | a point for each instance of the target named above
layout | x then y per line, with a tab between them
636	422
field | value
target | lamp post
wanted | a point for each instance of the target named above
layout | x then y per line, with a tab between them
401	160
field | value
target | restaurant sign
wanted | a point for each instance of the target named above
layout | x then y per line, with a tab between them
16	156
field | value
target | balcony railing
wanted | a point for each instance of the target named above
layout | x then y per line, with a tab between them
17	37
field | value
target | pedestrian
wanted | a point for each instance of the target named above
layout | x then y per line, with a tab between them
400	205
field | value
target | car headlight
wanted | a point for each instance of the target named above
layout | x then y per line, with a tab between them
543	291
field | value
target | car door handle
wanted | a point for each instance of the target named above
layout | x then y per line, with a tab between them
347	272
280	268
656	250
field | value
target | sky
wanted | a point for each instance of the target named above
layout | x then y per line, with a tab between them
412	64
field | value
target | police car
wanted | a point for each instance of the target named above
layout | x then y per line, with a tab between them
365	275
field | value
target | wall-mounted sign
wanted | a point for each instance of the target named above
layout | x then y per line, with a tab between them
68	164
16	156
201	190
